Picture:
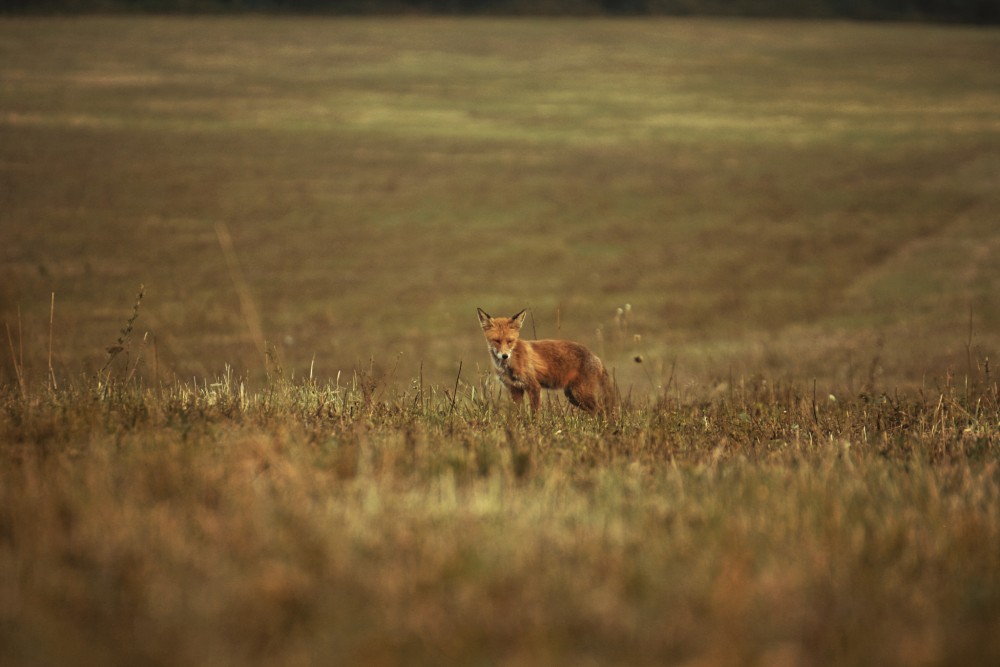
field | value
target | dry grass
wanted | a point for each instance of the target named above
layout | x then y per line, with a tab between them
307	524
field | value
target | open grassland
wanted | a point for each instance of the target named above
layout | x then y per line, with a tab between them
318	525
791	198
290	454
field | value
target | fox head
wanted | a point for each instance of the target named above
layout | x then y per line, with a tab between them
501	334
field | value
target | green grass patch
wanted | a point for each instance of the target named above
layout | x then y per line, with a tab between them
382	178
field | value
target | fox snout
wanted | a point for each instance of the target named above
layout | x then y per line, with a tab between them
502	349
501	355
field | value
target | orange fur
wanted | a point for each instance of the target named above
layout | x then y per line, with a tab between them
530	366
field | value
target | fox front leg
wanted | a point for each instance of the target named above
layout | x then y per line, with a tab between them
534	396
517	394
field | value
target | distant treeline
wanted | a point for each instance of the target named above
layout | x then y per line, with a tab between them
964	11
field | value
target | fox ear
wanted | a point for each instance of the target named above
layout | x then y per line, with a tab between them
518	319
484	319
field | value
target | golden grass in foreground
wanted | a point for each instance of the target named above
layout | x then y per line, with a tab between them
303	524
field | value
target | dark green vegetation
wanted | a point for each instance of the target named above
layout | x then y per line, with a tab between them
969	11
280	463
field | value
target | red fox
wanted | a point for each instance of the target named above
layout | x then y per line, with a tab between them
528	366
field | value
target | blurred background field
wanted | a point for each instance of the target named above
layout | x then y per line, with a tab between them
801	200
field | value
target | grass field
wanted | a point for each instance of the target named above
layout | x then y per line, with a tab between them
294	456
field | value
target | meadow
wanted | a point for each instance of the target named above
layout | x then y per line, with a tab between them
246	417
